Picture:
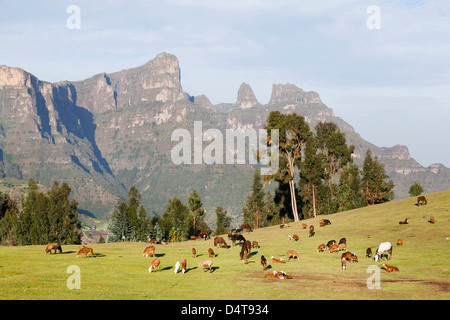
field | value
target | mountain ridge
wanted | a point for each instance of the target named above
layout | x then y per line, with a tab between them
111	131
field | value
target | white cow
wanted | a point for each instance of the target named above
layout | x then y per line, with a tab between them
383	247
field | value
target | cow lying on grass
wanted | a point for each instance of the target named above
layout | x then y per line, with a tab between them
279	275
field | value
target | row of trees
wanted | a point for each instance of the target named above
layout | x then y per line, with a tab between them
129	221
316	176
41	217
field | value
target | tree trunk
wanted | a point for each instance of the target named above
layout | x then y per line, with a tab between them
293	200
314	201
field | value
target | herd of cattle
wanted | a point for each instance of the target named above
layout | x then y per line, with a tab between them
384	249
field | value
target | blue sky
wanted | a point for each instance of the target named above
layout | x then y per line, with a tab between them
391	84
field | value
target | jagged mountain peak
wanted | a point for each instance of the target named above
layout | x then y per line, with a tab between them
246	97
290	93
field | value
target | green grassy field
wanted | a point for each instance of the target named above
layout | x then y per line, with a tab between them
119	271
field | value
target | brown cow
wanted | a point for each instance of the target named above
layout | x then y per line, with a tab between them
53	246
255	244
421	200
354	257
342	247
149	251
85	251
343	263
389	268
280	275
206	264
220	241
321	248
194	253
404	221
330	243
333	248
181	266
292	253
399	242
264	262
304	226
154	264
246	227
311	231
153	241
432	220
346	255
211	253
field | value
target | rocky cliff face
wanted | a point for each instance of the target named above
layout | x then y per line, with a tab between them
246	97
157	80
112	131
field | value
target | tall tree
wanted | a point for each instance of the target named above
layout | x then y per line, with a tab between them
197	211
293	133
311	175
376	188
253	211
223	221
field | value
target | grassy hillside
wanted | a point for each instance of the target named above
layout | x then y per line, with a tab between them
120	272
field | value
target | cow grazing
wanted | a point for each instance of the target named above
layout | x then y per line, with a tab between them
275	260
203	234
304	226
245	249
321	248
354	257
53	246
194	253
237	237
343	263
368	252
311	231
246	227
220	241
154	265
293	254
195	237
432	220
421	200
333	248
389	268
326	222
330	243
85	251
399	242
149	251
383	247
255	245
346	255
342	247
181	266
321	223
206	264
285	225
404	221
245	258
211	253
264	262
153	241
343	240
294	237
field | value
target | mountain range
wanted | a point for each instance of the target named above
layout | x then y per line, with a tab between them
112	131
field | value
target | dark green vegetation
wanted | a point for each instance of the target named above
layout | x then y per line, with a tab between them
41	217
119	271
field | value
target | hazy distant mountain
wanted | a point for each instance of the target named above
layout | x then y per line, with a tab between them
112	131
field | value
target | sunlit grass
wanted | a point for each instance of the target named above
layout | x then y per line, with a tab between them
119	271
